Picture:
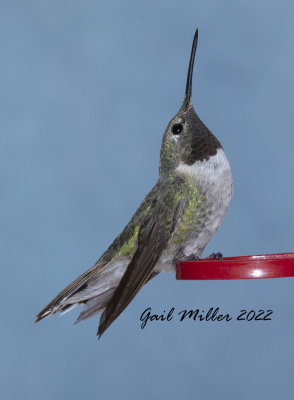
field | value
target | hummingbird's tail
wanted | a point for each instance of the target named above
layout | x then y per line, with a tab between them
93	289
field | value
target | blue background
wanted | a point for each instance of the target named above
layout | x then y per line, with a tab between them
87	89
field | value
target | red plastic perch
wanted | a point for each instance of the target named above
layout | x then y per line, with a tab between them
245	267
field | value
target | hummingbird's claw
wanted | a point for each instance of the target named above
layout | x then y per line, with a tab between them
191	257
216	256
180	256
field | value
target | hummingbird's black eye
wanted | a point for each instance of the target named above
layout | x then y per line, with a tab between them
177	129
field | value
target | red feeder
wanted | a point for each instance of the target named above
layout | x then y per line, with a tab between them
245	267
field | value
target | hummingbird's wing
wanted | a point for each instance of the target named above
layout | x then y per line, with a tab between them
63	300
153	237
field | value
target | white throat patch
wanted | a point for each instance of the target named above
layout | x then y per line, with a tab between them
215	169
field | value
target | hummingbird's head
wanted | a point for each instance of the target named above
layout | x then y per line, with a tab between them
186	139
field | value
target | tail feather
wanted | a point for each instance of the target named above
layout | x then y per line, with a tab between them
96	284
95	305
55	305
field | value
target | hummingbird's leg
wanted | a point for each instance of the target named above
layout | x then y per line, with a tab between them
216	256
191	257
180	256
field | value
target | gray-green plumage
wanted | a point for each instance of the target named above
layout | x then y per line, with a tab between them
175	220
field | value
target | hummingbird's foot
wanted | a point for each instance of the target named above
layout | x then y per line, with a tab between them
181	257
216	256
191	257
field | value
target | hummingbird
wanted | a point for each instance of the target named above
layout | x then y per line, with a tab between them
174	222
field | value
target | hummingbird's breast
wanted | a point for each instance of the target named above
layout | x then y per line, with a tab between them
210	188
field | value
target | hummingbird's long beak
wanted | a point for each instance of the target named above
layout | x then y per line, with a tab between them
188	93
